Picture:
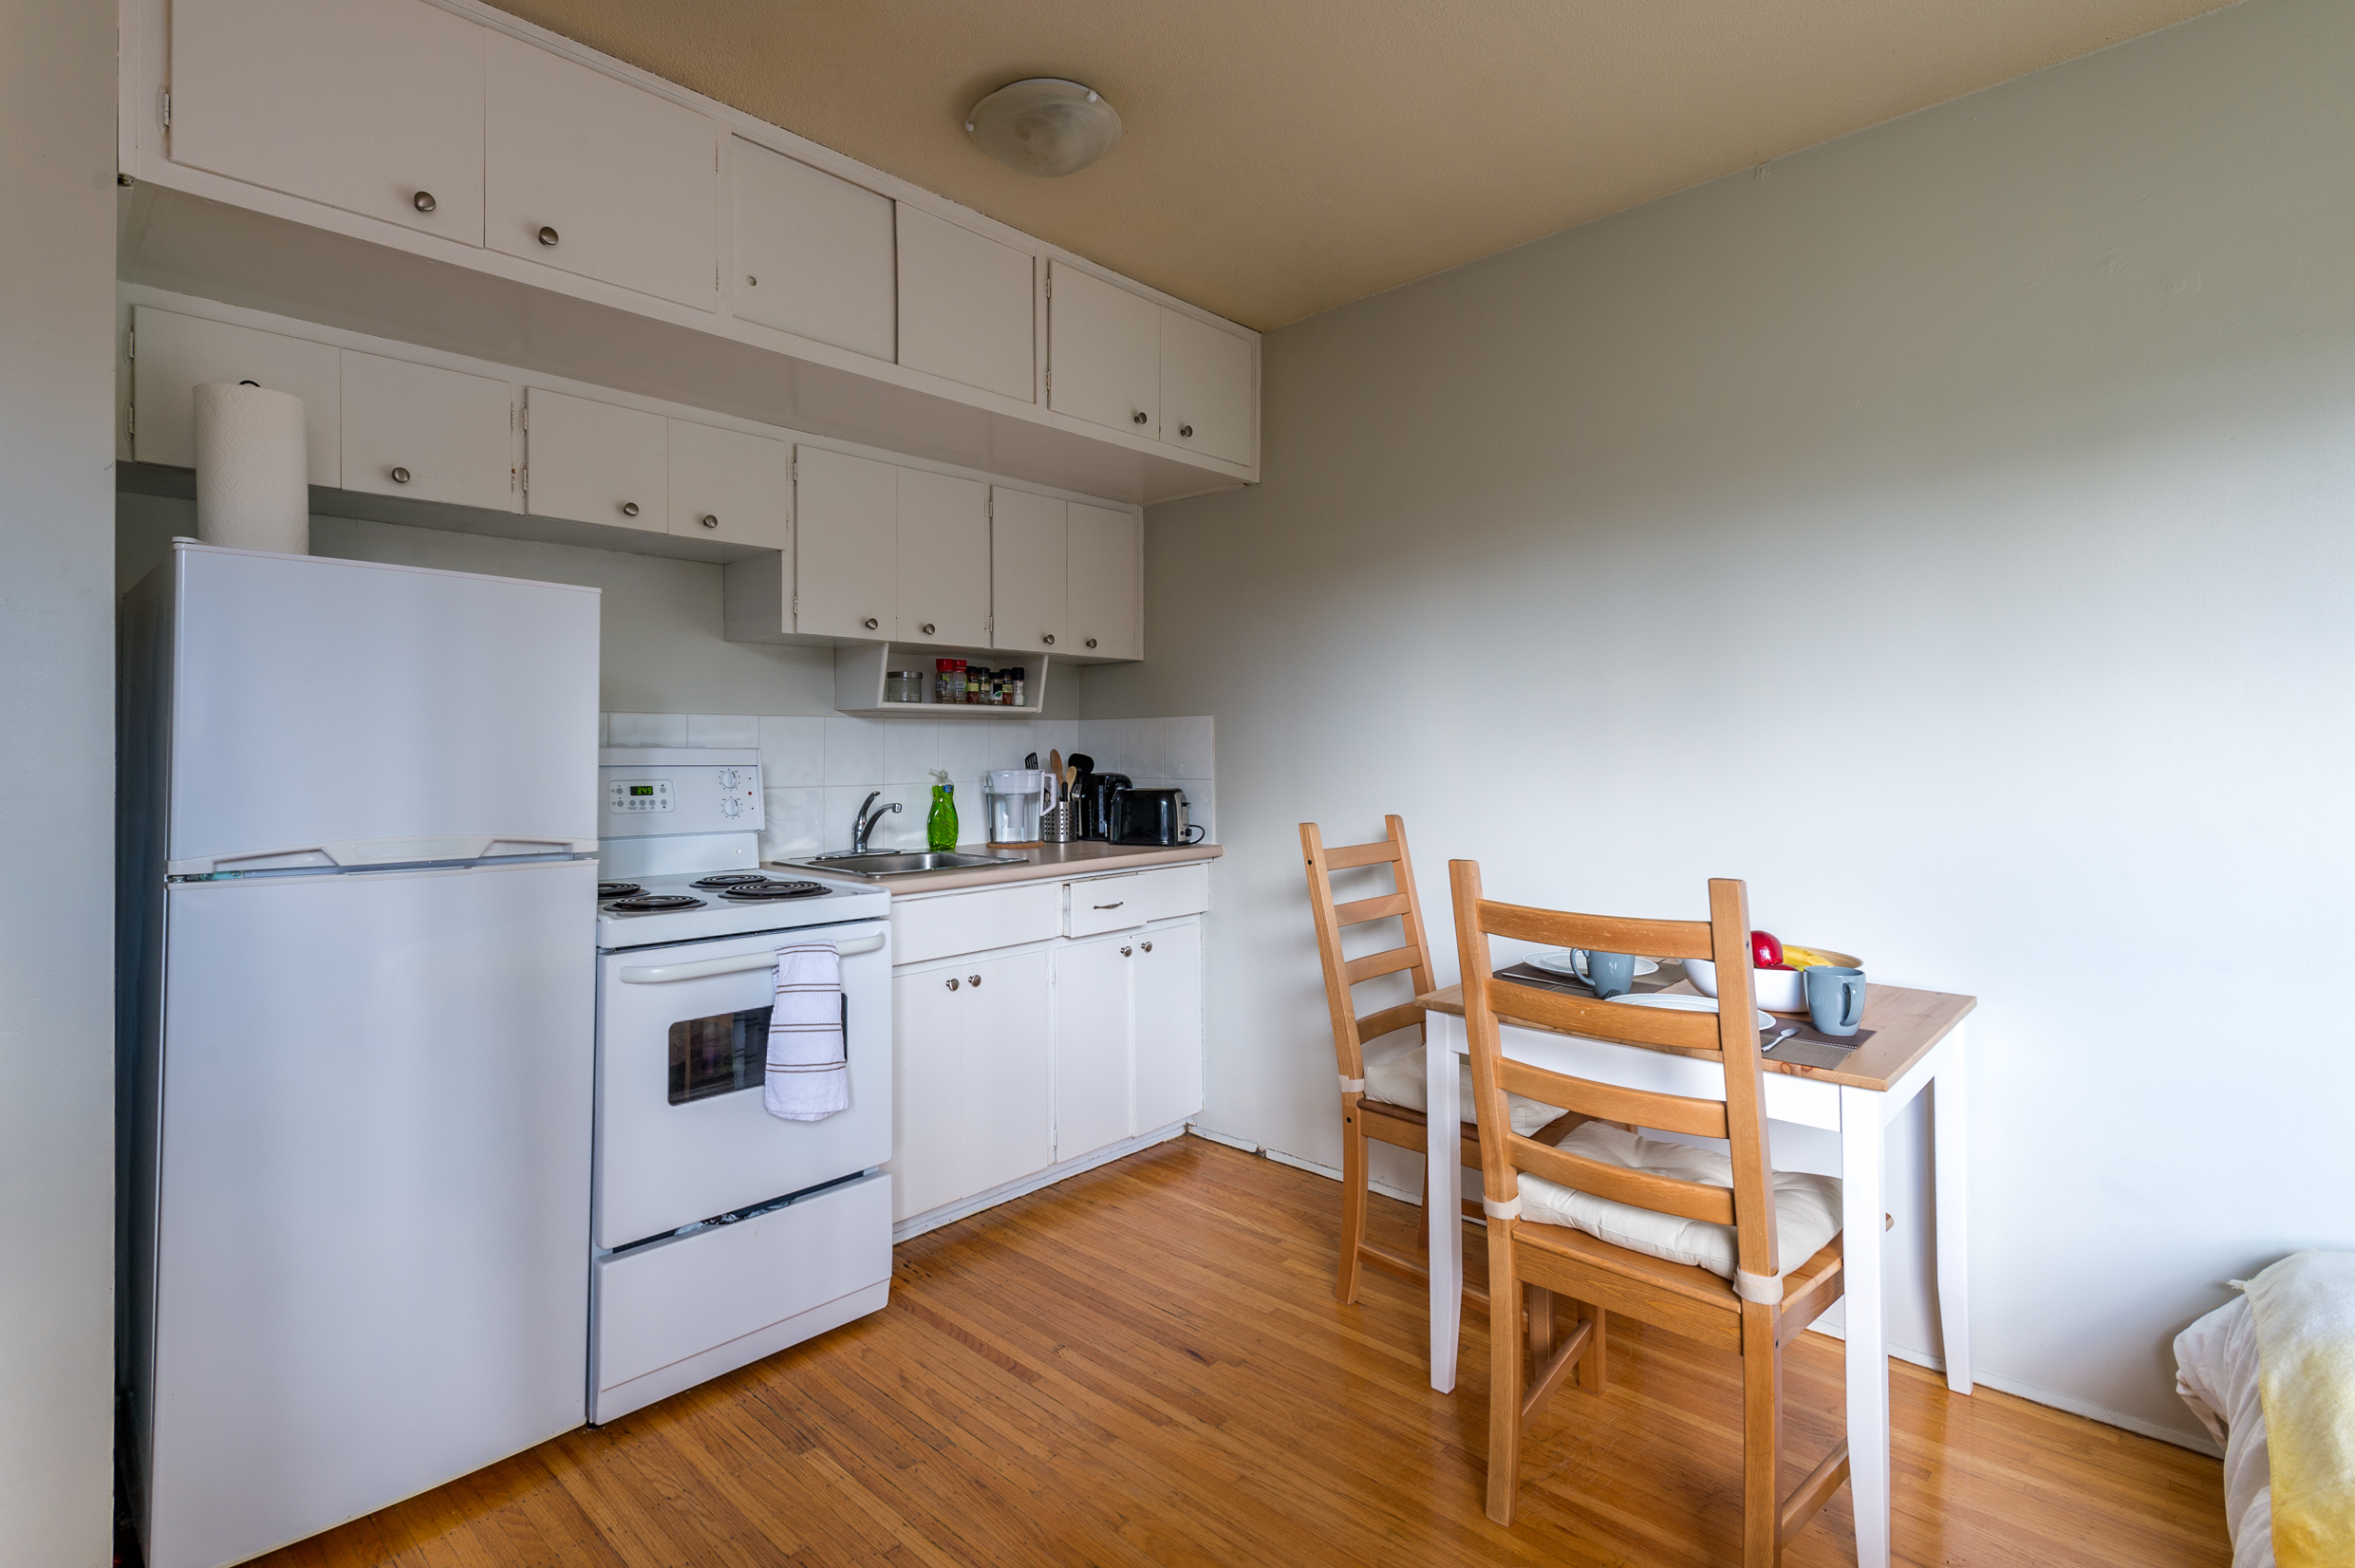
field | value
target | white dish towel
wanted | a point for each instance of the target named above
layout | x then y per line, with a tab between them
809	1074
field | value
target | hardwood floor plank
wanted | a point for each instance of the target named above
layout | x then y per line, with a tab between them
1143	1367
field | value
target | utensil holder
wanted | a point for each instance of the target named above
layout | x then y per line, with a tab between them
1059	825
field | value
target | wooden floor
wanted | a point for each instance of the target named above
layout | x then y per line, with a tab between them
1144	1365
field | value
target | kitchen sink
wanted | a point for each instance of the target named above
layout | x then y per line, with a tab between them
894	863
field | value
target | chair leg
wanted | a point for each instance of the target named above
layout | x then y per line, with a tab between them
1505	1374
1762	1439
1540	1302
1593	1370
1352	1205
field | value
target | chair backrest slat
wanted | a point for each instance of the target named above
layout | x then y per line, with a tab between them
1414	957
1739	1117
1711	1206
1616	1103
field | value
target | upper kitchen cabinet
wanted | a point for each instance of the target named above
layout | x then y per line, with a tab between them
1103	352
587	172
172	355
373	106
942	532
426	434
966	307
814	254
1209	391
731	487
1027	548
1104	580
596	462
846	511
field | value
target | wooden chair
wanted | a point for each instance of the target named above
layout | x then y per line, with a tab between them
1365	1120
1754	1313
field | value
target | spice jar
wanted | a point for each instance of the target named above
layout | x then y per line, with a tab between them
903	686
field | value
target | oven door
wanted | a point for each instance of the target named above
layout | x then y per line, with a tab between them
681	1043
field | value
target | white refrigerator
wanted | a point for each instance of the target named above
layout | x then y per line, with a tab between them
357	904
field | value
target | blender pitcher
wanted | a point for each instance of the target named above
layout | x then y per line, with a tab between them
1012	800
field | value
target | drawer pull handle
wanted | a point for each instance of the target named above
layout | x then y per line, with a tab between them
1048	639
630	509
1138	417
548	236
710	521
1112	906
1149	948
1091	641
1124	952
401	475
1186	431
974	980
927	628
870	623
952	983
423	201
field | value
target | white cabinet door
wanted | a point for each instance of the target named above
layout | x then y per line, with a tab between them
1007	1079
846	513
931	1027
1092	1105
1103	352
173	355
595	463
1106	582
814	254
588	173
965	306
1205	388
1026	570
731	487
427	433
1167	976
374	106
943	560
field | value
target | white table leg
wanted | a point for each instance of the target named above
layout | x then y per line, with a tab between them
1950	1110
1863	1194
1443	1034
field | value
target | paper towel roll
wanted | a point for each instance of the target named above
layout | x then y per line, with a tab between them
252	468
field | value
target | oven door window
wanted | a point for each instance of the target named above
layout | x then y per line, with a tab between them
718	1055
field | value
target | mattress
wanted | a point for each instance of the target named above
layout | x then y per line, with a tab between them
2217	1375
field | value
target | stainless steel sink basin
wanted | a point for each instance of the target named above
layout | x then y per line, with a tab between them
883	864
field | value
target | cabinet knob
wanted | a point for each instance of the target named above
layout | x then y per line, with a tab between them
952	983
423	201
751	281
1186	431
630	509
1091	641
1148	946
401	475
927	628
973	979
1138	417
1048	639
548	236
1124	952
870	623
710	521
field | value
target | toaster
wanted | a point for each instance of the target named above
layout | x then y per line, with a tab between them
1152	816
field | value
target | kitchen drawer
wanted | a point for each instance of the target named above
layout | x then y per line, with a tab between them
1118	903
971	922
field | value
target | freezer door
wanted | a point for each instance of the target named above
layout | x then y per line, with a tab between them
332	712
371	1262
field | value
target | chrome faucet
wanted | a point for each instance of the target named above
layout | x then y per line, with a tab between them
863	824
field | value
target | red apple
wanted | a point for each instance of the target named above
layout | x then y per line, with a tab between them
1766	949
1784	967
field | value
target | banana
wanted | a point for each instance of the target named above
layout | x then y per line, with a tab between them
1803	958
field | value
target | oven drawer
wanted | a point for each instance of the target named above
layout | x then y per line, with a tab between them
1120	902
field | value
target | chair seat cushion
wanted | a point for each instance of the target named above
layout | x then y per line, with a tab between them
1397	1080
1807	1208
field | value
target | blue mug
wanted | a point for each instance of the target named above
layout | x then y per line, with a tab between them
1611	974
1835	997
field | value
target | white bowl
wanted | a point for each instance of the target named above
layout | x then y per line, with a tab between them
1776	990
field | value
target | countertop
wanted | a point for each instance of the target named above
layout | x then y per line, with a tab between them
1049	860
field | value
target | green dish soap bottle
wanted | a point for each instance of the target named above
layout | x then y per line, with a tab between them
940	828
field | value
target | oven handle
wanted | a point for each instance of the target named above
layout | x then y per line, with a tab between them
649	974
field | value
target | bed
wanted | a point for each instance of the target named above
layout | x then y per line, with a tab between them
2216	1371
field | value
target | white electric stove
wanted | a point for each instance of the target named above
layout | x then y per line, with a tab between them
719	1233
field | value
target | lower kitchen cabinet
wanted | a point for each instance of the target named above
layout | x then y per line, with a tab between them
1166	1041
972	1079
1092	1029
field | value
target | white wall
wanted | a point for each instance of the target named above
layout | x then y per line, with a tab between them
1948	531
57	160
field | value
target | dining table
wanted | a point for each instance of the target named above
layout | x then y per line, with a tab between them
1919	1043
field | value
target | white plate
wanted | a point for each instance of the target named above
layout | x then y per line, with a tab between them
1568	961
1681	1004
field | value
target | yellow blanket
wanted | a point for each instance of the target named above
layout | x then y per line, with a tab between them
2305	1308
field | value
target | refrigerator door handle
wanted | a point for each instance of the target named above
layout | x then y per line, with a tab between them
343	854
649	974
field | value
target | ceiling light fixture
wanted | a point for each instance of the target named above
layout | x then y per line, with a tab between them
1044	125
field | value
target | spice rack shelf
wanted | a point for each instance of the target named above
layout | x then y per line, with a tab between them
860	671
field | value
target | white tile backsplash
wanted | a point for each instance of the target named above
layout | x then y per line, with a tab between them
816	769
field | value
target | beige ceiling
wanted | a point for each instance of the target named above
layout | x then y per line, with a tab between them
1282	156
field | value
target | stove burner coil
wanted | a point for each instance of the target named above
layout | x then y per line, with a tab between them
729	879
617	889
761	890
643	902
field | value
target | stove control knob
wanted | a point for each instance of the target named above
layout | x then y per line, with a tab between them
727	779
731	806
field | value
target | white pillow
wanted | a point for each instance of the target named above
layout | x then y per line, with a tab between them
1806	1208
1397	1080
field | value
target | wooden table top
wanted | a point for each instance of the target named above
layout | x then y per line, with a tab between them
1906	1024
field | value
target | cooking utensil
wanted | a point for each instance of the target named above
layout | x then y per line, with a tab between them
1031	761
1054	771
